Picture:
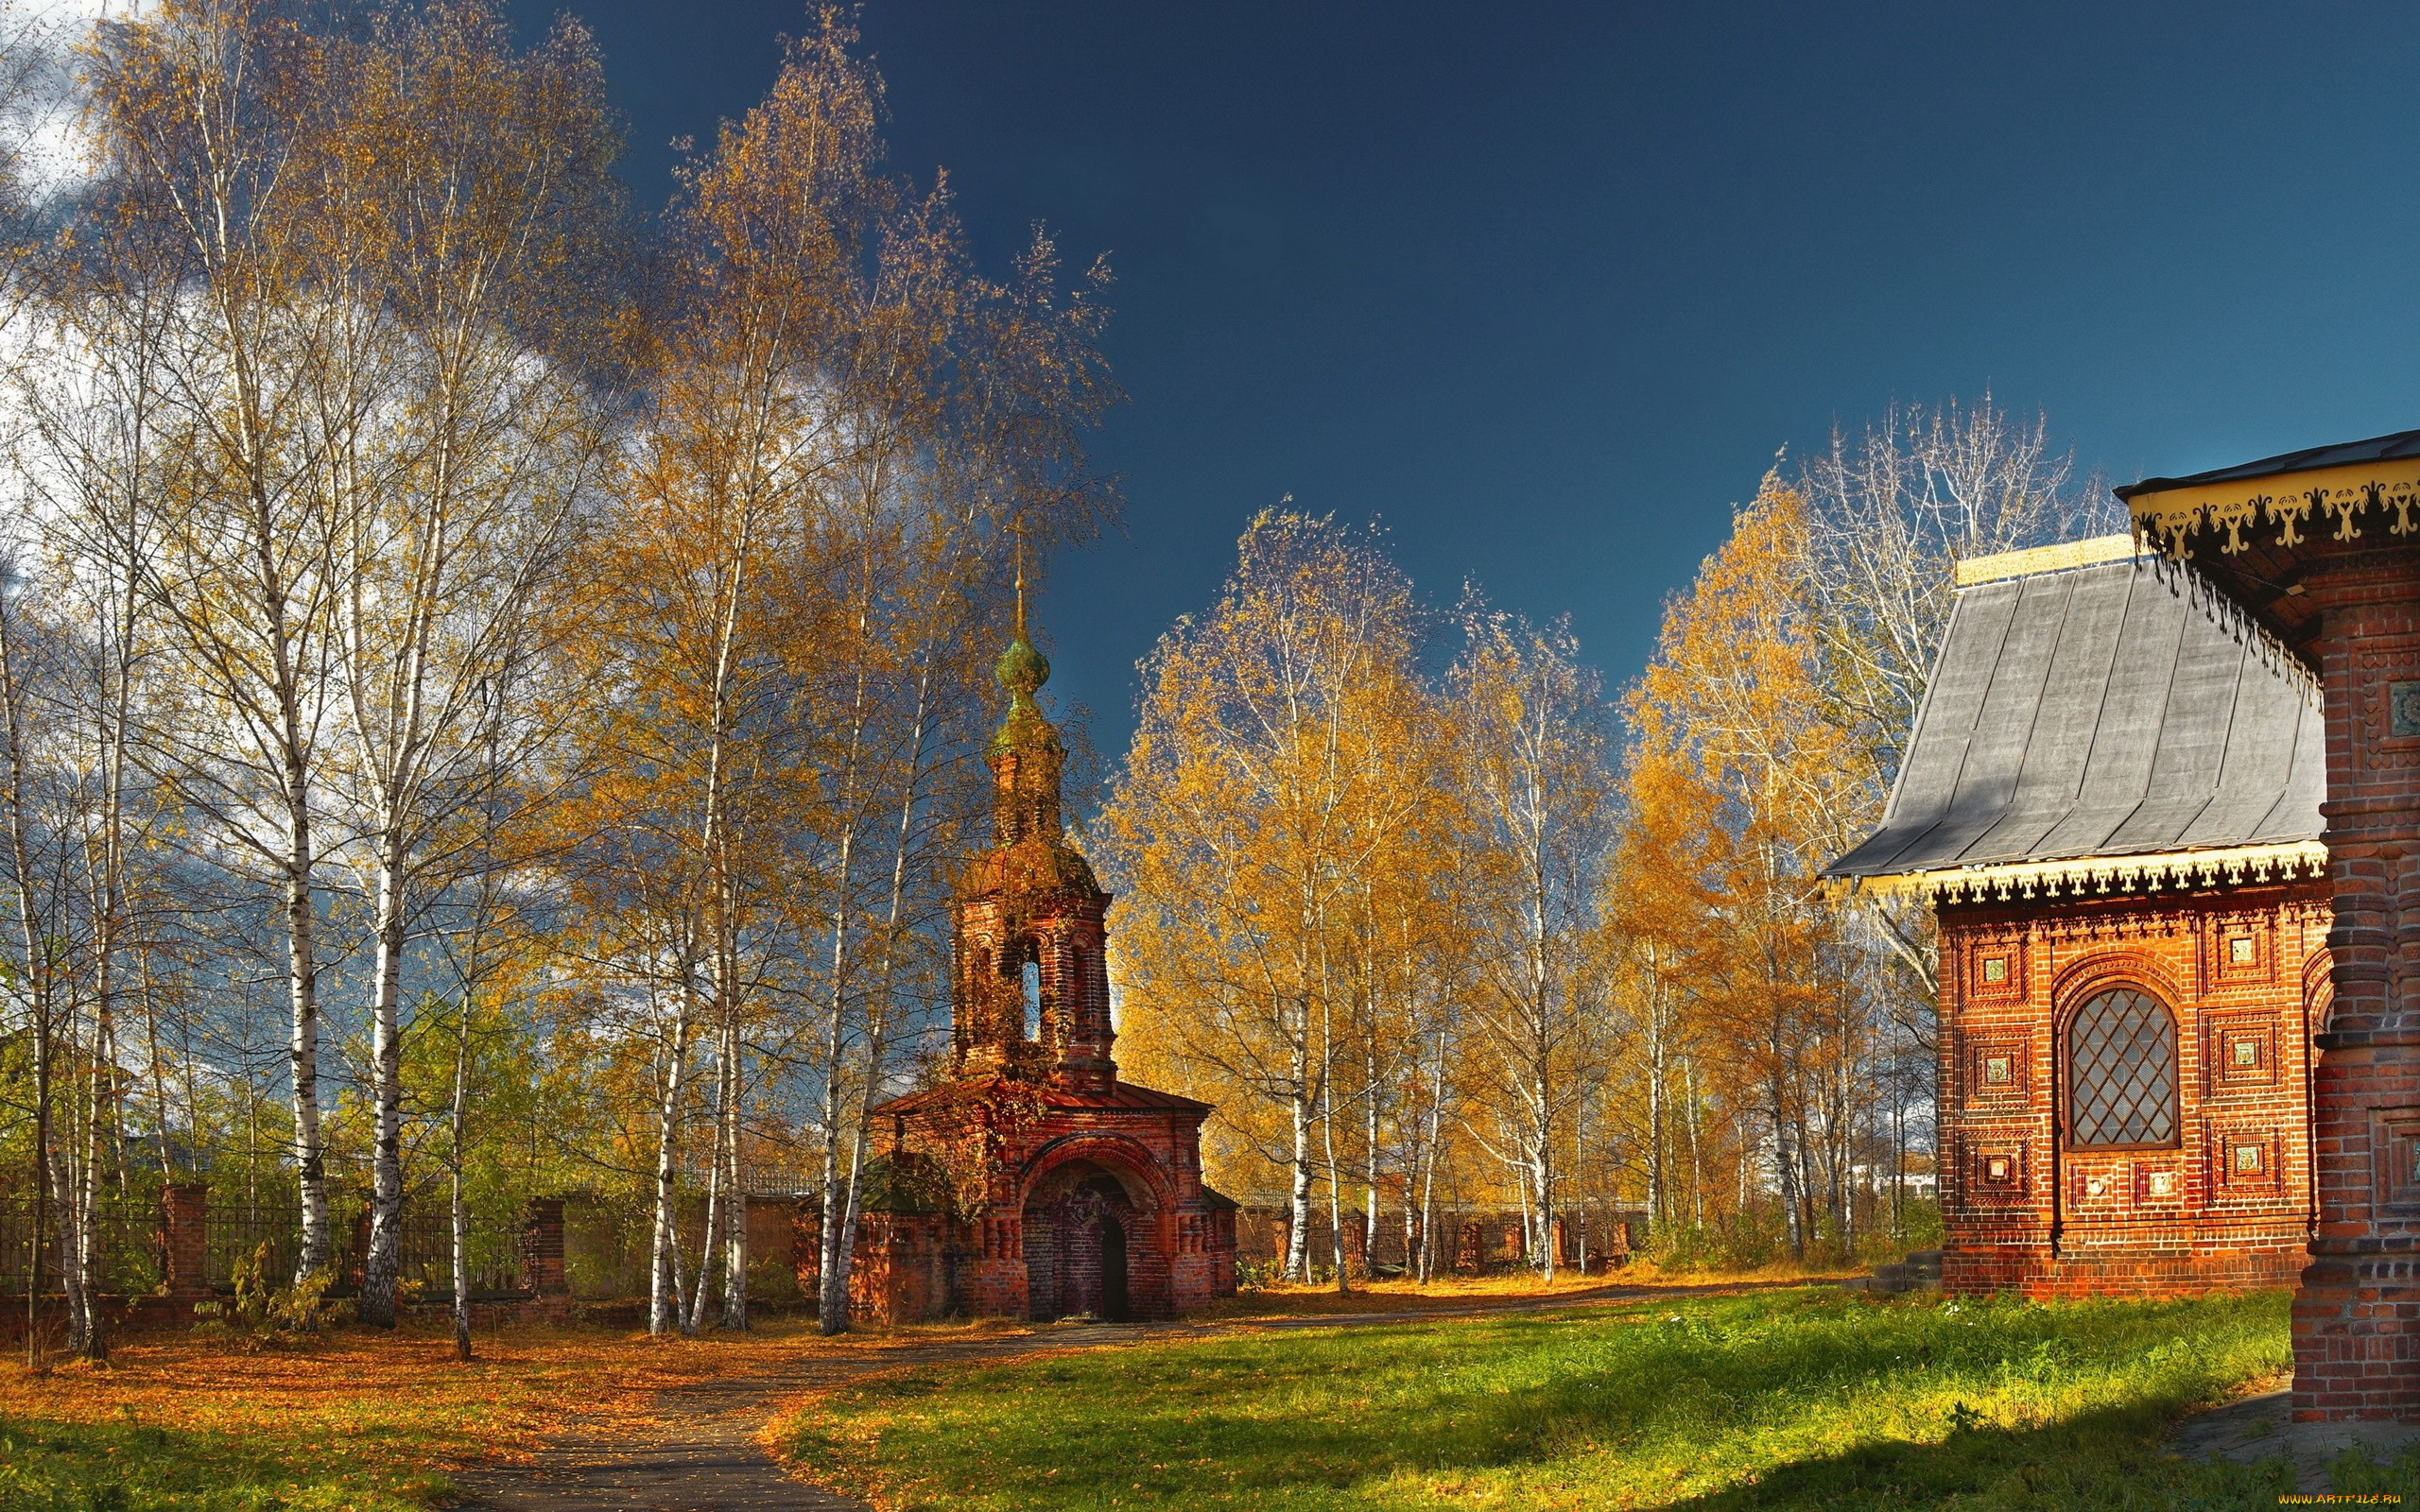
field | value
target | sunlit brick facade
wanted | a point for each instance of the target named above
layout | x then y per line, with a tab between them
2222	1196
2111	801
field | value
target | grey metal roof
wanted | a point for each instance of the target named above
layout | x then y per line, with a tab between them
2121	709
2377	449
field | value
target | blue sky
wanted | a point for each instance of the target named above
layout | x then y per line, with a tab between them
1546	287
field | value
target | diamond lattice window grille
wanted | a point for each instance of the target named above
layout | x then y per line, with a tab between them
2121	1072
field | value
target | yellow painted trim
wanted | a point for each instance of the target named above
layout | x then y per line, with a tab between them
2231	866
2002	565
2294	501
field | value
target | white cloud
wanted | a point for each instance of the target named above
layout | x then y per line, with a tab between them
40	114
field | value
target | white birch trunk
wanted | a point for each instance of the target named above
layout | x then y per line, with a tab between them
663	1283
735	1261
380	1267
1298	1239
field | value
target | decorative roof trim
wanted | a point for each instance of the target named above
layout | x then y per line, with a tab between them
2387	492
2111	875
2036	560
2274	653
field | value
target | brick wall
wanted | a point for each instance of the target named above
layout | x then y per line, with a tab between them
1180	1238
2227	1202
2357	1317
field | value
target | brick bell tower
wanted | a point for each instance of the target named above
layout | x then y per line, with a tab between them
1029	1182
1032	997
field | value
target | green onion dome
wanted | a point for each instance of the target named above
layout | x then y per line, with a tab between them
1021	669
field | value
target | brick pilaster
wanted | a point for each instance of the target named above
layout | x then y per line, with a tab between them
2356	1316
185	1237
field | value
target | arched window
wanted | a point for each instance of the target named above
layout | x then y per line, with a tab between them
1077	993
2121	1072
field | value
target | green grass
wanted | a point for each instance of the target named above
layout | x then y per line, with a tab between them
111	1468
1809	1397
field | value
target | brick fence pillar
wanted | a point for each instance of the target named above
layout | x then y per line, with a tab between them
541	1248
185	1237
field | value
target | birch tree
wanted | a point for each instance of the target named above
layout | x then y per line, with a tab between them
1729	714
1535	763
1275	760
205	122
483	201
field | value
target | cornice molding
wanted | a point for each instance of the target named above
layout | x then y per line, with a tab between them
2104	876
2334	498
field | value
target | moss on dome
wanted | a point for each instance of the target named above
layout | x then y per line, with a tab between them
1020	668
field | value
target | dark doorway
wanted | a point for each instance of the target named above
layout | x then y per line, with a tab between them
1081	1231
1113	1269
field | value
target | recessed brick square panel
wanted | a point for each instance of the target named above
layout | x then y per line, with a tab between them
2238	948
2098	1186
2242	1054
1997	1171
1996	1071
2158	1185
2395	1162
2243	1162
1996	967
2385	740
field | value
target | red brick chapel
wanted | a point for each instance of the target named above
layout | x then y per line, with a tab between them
1030	1181
2168	808
2111	798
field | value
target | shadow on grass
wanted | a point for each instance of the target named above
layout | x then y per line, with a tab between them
2113	1460
127	1468
1630	1409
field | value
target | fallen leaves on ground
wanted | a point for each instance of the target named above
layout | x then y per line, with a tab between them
401	1397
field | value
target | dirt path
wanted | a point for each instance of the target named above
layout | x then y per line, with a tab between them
702	1456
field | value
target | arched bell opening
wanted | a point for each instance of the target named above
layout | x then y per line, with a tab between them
1025	1009
1087	1243
1029	1000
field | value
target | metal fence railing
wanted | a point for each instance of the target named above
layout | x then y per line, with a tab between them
606	1242
134	1257
129	1240
425	1250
